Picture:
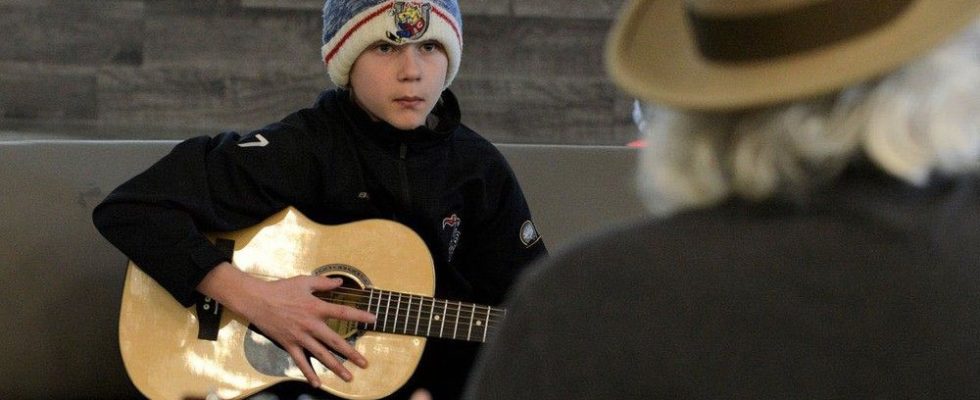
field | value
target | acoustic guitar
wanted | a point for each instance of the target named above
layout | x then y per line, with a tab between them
173	352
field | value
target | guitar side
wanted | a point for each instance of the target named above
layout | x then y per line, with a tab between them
159	338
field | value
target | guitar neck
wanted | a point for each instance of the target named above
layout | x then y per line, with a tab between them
416	315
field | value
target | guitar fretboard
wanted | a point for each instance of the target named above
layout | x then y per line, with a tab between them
415	315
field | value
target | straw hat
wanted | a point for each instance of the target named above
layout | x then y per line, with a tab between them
734	54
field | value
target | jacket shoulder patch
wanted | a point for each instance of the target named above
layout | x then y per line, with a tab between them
529	234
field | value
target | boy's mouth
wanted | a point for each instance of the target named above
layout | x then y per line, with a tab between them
410	101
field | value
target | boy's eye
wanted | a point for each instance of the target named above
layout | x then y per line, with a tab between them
385	47
430	46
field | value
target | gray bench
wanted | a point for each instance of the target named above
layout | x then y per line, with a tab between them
62	282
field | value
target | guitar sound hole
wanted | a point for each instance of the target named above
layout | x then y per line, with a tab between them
346	329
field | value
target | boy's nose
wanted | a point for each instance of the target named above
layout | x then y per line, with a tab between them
410	65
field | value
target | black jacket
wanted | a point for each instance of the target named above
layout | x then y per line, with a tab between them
870	289
335	165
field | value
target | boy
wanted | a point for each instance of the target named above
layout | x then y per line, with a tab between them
387	144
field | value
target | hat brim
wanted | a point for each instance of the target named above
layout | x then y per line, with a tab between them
651	54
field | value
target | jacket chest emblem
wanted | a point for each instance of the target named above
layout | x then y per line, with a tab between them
450	226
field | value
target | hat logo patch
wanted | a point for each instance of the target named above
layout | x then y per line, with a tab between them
529	234
411	20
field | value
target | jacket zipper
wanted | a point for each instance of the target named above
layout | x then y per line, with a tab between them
406	193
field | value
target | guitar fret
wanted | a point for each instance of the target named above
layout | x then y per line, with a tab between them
469	332
456	324
384	326
398	308
419	318
486	325
377	311
442	327
432	312
370	300
408	311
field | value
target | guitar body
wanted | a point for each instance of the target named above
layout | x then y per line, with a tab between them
166	360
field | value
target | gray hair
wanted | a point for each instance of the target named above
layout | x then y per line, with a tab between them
917	121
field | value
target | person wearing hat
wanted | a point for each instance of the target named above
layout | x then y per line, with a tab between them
813	173
386	143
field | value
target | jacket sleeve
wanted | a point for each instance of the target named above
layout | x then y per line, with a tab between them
204	184
505	241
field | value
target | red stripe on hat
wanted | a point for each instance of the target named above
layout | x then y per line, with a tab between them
354	29
449	20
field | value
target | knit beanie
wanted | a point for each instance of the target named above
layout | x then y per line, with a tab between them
350	26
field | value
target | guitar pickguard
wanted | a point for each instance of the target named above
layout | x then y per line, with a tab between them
268	358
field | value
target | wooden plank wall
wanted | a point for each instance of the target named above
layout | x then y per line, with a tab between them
532	70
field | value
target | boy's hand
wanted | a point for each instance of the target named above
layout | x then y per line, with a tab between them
421	394
288	312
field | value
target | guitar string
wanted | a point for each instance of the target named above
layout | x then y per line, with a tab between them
487	318
464	313
492	317
416	316
457	330
450	306
461	332
496	312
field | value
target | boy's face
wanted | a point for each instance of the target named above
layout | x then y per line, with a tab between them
399	84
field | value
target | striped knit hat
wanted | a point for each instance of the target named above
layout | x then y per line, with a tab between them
350	26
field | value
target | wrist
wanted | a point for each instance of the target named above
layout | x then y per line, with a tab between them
228	285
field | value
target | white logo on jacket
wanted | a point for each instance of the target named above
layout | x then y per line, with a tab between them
262	142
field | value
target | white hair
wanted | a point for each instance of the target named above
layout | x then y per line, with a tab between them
915	122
